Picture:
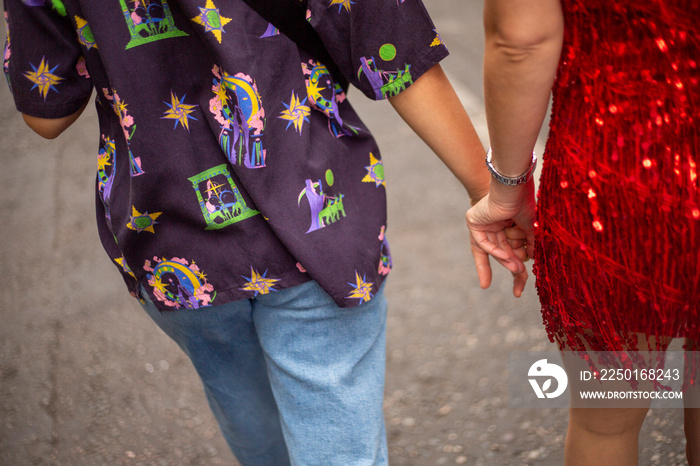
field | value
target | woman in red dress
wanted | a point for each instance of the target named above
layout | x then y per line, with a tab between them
616	236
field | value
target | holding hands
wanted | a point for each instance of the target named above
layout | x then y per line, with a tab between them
502	225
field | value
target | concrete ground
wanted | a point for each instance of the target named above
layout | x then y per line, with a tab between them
87	379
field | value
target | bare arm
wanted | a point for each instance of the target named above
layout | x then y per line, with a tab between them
51	128
523	44
432	109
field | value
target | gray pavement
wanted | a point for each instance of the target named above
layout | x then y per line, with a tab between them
87	379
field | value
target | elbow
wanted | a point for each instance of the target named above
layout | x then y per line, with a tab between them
47	129
48	133
51	128
515	47
516	39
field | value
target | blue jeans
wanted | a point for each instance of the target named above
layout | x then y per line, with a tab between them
291	377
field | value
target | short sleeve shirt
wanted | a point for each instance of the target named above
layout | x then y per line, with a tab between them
230	164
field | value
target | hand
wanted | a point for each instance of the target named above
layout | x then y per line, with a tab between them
502	225
517	239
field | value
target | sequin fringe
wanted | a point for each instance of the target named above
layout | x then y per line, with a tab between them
618	245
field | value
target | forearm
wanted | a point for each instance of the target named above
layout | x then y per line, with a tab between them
432	109
523	44
51	128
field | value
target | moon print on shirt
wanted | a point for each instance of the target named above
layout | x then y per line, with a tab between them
106	162
220	200
126	121
238	109
179	284
325	95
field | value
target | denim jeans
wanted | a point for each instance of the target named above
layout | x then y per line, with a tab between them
291	377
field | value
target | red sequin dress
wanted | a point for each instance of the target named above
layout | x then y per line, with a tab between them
618	232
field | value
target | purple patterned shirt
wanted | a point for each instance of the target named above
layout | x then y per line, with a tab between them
230	164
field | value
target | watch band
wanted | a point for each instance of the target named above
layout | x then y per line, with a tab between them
511	180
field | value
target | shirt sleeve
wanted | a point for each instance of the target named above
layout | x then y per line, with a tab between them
381	46
43	60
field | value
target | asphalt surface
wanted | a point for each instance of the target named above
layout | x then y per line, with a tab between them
87	379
